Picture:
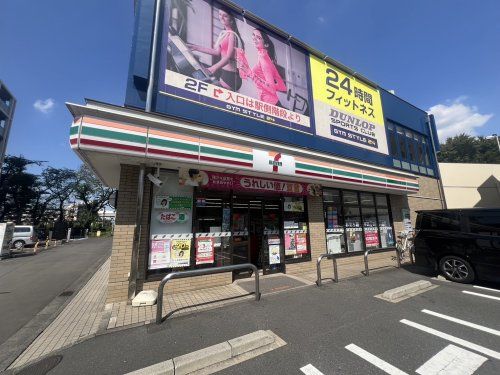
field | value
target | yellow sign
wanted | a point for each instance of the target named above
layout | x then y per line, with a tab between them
181	253
346	109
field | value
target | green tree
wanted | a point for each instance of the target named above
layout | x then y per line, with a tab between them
61	184
16	188
92	194
464	148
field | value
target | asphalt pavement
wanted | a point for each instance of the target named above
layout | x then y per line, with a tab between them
318	324
31	285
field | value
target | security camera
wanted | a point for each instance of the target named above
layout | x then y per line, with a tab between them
155	180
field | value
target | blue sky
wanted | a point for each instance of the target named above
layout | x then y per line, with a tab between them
440	55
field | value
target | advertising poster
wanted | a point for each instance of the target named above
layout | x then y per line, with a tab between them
213	57
274	254
334	243
346	109
159	256
205	250
293	204
371	238
181	253
301	243
290	245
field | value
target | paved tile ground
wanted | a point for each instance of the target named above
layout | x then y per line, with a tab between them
79	319
83	315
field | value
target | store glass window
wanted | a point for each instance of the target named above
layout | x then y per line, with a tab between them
356	221
354	229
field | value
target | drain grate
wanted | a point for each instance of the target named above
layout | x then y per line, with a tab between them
66	293
41	367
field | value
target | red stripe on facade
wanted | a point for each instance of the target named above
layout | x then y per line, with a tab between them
313	174
172	153
346	179
73	141
93	142
226	161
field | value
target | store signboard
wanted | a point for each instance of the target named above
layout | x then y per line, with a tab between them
214	57
346	109
225	181
205	250
170	217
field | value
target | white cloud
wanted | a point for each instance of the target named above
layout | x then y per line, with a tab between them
455	117
321	19
44	106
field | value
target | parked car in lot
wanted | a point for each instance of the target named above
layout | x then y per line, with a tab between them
24	236
463	244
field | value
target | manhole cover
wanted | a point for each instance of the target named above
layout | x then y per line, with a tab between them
42	367
66	293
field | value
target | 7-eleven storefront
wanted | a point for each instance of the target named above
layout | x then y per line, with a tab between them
228	199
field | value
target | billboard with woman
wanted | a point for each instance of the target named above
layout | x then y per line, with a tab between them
215	57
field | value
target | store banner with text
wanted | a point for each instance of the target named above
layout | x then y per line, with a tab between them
225	181
346	109
213	56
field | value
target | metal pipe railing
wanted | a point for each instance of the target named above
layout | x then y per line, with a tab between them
201	272
318	268
367	270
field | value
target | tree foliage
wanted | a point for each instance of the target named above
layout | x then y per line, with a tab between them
52	196
464	148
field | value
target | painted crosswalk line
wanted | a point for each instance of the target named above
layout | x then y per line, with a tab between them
453	339
452	360
374	360
463	322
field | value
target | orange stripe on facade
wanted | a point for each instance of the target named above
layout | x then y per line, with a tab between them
226	145
116	125
163	133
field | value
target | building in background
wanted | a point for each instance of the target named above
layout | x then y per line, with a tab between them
270	153
7	107
471	185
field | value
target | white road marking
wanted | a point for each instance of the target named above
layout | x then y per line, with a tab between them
374	360
481	295
310	370
452	360
456	340
463	322
483	287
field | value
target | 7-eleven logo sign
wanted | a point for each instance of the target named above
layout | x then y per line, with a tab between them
273	162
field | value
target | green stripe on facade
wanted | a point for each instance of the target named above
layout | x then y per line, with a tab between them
173	144
113	135
396	182
374	178
73	130
348	174
412	185
227	153
313	168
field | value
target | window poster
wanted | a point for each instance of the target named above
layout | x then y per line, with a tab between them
274	254
159	256
334	243
205	250
371	238
301	243
290	245
181	253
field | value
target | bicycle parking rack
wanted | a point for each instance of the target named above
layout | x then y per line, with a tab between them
318	267
201	272
367	270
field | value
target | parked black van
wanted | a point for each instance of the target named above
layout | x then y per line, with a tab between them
463	244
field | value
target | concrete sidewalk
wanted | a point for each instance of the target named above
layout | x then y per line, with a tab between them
87	314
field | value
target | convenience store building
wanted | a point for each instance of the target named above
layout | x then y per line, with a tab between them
270	173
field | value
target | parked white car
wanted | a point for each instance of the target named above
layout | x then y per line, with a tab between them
24	236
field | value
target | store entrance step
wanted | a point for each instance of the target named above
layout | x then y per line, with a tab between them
271	284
